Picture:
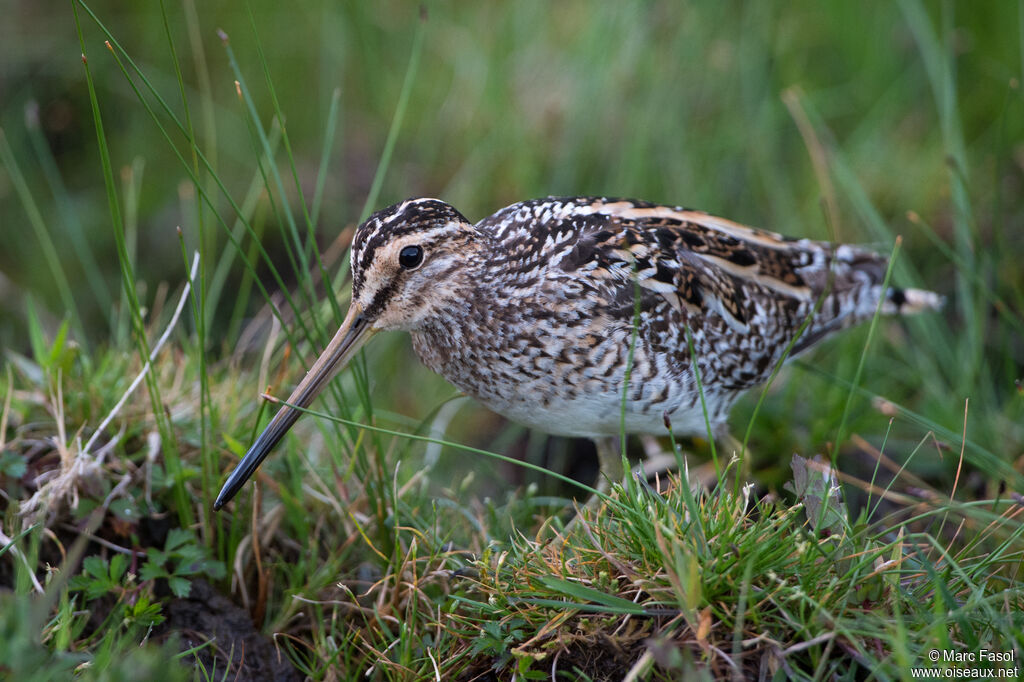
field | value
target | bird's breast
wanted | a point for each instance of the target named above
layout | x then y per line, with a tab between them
565	374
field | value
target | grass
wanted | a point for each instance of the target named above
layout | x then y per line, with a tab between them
396	537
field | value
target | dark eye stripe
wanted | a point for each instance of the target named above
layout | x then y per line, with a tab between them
380	300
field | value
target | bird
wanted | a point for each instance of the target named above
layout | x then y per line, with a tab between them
592	316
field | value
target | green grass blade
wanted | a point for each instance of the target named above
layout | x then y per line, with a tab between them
170	448
841	431
396	122
72	226
46	245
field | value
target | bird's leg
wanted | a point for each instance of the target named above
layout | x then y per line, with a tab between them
609	457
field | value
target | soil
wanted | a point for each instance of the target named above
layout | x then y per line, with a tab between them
207	615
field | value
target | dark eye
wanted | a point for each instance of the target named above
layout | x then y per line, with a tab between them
410	257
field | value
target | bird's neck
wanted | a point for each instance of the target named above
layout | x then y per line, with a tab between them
464	323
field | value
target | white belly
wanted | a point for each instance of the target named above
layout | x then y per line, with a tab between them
589	416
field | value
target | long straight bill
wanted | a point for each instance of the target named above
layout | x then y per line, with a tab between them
354	332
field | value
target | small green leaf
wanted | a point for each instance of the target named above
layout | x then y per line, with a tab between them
145	613
118	566
86	506
234	445
12	464
126	509
213	568
95	578
55	357
94	566
157	558
152	571
179	586
176	538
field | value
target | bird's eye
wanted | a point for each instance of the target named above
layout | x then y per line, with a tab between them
410	257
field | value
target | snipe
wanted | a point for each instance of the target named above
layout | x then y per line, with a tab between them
532	311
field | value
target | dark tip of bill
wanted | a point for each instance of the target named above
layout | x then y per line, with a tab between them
222	498
235	481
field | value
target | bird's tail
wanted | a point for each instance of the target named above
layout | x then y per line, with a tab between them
860	304
910	301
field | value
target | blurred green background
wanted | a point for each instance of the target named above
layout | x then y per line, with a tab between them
918	108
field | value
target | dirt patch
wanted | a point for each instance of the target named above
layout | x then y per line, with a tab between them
207	615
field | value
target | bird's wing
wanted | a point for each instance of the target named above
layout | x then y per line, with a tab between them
697	263
713	263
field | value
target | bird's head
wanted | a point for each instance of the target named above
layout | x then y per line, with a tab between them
408	263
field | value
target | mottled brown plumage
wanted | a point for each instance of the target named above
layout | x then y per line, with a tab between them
533	310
